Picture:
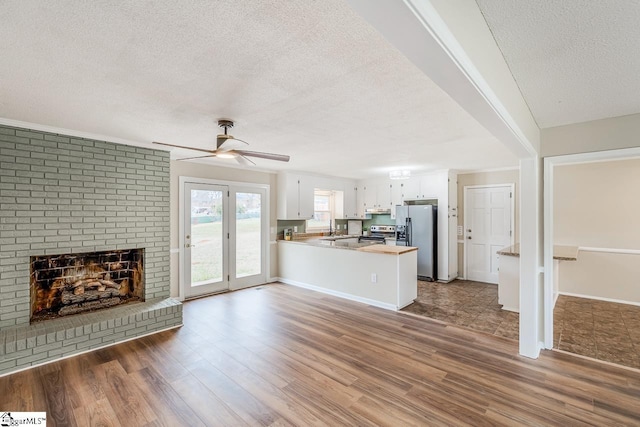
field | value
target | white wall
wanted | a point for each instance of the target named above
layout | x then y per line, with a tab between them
487	178
198	170
586	137
596	205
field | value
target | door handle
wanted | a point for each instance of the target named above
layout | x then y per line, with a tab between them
469	237
189	245
469	230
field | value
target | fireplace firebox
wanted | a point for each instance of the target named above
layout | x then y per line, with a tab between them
68	284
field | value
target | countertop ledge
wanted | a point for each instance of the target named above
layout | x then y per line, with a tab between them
371	248
560	252
384	249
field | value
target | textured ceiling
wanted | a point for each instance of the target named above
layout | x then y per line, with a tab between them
306	78
574	60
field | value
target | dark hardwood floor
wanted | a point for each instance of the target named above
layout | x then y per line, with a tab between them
279	355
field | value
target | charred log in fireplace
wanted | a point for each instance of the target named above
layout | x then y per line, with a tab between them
74	283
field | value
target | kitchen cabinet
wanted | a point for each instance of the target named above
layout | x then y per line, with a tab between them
411	188
370	196
383	195
295	196
350	207
441	186
306	188
360	205
424	187
376	194
396	196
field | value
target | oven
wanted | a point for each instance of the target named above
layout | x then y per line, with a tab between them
375	239
380	234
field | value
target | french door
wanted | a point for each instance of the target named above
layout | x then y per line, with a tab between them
224	238
488	228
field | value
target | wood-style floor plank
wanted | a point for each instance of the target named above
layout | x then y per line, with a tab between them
283	356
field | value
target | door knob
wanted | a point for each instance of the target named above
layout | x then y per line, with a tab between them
189	245
469	230
469	237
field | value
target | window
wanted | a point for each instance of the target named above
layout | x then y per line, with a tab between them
322	210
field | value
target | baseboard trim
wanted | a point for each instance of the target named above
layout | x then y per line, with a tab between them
619	301
510	309
340	294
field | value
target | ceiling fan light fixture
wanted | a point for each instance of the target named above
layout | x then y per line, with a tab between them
227	148
400	174
226	155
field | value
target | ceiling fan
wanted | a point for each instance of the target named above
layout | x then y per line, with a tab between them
226	148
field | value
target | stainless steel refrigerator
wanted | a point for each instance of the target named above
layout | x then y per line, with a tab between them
416	225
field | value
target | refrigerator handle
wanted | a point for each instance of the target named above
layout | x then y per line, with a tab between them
408	230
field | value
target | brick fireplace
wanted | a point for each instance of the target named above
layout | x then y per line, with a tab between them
63	198
67	284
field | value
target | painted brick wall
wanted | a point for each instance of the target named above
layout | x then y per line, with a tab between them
61	194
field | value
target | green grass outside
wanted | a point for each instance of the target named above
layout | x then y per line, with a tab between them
206	256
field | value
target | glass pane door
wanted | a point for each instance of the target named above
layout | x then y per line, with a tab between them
249	237
206	243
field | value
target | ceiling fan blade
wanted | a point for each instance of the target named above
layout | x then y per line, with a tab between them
269	156
197	157
228	142
244	160
187	148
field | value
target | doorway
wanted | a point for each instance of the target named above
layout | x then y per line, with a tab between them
488	219
224	230
593	286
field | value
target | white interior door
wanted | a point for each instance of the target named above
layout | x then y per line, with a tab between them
488	228
206	246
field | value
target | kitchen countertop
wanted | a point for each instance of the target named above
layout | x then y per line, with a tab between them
560	252
329	243
370	247
385	249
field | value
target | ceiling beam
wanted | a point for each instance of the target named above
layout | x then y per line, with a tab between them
417	30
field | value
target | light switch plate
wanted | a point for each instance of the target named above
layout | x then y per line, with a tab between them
295	228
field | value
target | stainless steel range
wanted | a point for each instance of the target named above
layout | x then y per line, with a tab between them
379	233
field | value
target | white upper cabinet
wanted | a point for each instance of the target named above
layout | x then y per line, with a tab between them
375	194
296	195
287	196
396	196
306	188
411	188
360	203
383	195
370	196
350	207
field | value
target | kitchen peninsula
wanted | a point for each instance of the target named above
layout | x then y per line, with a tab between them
378	275
509	273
